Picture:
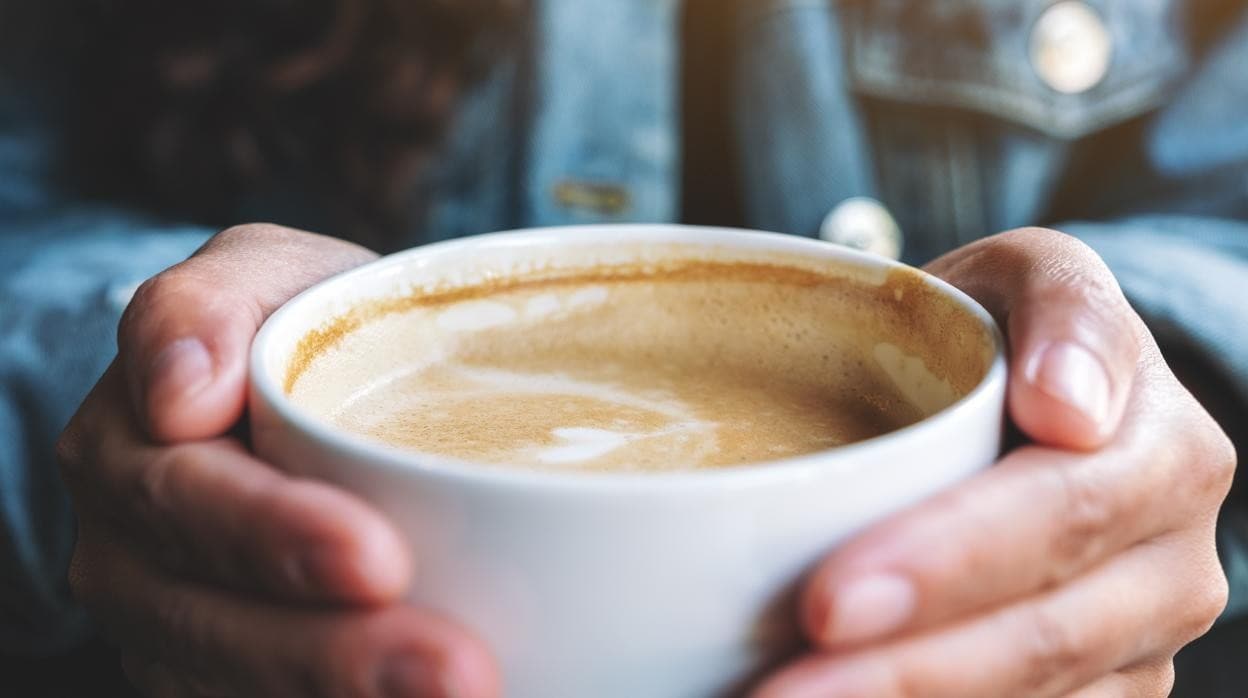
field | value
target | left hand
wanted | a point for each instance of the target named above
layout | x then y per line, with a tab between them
1078	565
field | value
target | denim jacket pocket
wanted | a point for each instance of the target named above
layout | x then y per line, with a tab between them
982	56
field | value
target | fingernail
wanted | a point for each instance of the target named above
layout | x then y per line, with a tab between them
411	677
1071	374
869	607
182	369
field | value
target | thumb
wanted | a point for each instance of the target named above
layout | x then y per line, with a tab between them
1074	340
183	340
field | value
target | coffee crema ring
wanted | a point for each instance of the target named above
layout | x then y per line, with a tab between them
687	364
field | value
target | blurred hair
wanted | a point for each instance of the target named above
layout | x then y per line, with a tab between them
199	102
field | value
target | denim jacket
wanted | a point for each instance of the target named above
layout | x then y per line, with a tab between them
954	117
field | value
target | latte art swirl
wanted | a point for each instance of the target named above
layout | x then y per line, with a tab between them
722	366
552	419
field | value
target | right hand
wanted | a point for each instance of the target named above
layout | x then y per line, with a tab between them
214	572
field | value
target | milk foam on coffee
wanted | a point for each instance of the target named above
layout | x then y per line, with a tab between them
698	364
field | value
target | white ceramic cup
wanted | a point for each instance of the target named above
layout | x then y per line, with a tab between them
616	584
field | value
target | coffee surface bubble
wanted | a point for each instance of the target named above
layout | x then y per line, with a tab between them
703	365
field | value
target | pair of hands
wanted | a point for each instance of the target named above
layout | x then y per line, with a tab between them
1079	565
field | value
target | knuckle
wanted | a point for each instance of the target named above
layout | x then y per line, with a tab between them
173	288
159	510
246	233
1052	240
1091	289
1051	650
153	484
148	293
68	454
1065	264
1053	245
199	288
151	292
1215	462
158	489
945	562
1204	602
1160	680
66	447
1059	268
234	232
1032	236
189	632
1088	512
237	244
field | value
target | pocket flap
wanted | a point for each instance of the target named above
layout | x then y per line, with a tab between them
1066	68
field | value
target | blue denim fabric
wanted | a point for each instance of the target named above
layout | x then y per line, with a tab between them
804	145
932	108
64	281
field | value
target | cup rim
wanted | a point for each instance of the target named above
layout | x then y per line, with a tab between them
266	387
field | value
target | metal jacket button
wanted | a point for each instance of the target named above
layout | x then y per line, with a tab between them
1071	47
863	224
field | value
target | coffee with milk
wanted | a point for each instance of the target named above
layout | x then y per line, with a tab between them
686	364
581	433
